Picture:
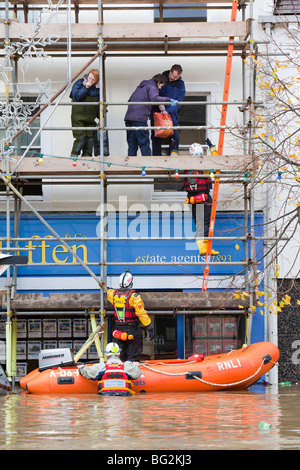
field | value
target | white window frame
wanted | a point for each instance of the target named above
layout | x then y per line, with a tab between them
213	113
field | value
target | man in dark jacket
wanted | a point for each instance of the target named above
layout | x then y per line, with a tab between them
175	89
137	115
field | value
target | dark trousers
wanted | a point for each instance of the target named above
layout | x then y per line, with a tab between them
138	139
207	214
131	349
105	143
83	116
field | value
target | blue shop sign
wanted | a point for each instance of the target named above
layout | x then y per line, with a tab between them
48	257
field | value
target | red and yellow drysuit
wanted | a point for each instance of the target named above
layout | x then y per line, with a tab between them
115	381
198	190
130	314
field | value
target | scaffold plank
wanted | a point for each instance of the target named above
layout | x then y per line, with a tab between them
130	32
153	300
120	2
131	165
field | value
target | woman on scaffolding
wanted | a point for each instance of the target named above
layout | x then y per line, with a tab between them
86	89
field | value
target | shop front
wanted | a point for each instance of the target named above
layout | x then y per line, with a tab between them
163	258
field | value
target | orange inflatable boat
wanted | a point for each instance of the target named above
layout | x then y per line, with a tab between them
235	370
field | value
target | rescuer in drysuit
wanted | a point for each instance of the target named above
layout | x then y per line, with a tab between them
198	192
130	315
113	376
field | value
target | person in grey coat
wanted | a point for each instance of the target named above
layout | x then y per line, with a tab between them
137	115
96	371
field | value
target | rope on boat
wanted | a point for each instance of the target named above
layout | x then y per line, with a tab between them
210	383
159	363
233	383
161	372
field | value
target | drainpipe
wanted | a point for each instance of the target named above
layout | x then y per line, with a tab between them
270	283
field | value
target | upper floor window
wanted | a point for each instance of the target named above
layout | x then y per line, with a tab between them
286	7
22	142
180	13
192	115
25	138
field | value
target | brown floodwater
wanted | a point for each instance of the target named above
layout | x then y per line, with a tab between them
174	421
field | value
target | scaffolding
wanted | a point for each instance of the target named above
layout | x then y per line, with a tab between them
138	40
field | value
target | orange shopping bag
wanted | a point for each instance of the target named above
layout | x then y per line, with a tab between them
163	120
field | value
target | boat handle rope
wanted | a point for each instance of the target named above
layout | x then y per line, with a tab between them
210	383
180	363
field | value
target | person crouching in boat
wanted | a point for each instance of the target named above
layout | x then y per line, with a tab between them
114	376
130	316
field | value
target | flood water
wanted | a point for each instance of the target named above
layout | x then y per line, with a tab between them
174	422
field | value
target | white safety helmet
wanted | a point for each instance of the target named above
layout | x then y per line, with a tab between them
196	149
112	349
126	279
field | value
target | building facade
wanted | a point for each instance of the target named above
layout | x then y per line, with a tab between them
123	219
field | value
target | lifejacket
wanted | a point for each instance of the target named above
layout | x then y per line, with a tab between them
197	184
115	381
124	313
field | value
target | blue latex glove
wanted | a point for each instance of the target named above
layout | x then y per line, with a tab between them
150	331
174	102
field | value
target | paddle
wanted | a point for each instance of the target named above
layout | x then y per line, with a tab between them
89	341
97	340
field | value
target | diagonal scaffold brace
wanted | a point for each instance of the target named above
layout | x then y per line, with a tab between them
100	282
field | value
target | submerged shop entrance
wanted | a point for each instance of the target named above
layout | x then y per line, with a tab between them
165	342
213	334
180	336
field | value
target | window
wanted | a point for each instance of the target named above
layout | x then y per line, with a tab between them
25	138
287	7
164	345
188	115
22	142
192	115
181	13
213	334
30	16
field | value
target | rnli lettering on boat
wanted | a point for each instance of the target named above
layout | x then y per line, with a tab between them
224	365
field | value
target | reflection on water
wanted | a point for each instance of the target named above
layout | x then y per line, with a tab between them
191	421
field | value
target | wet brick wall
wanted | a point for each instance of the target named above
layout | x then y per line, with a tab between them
289	334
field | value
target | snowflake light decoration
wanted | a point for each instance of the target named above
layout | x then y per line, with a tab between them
15	115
